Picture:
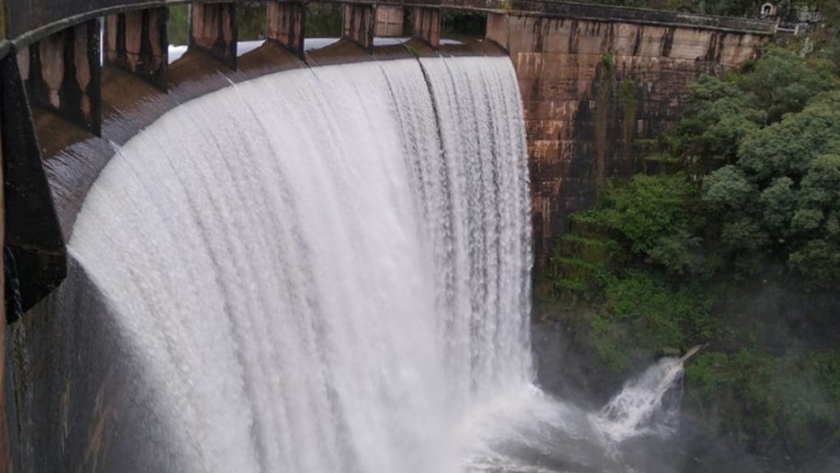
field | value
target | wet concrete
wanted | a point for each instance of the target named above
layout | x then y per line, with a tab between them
77	405
74	157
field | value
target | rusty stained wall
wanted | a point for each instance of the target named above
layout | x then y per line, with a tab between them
596	93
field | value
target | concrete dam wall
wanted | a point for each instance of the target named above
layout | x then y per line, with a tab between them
599	85
599	92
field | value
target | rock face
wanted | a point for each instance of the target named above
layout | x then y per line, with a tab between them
599	92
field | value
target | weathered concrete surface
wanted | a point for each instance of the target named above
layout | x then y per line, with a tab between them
213	30
79	405
427	25
137	41
358	23
61	73
286	24
389	21
596	94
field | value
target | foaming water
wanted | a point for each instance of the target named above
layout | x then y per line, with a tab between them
327	270
531	432
639	408
315	265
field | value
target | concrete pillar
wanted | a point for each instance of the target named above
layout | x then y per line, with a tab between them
62	74
137	42
427	25
358	24
497	29
389	21
37	257
287	24
213	30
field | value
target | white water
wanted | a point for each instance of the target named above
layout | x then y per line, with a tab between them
327	271
638	409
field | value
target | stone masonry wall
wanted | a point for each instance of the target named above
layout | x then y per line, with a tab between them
597	93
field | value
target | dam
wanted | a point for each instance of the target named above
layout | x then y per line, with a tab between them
277	261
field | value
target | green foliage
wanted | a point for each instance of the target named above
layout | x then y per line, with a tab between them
607	59
644	230
754	207
720	114
819	261
728	190
466	23
787	148
650	215
323	20
179	24
752	139
412	50
789	399
781	195
782	82
251	21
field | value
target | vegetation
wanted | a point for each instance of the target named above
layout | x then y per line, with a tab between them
735	243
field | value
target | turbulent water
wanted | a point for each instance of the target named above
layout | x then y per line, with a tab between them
327	270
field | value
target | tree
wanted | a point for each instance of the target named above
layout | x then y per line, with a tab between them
741	249
783	82
650	215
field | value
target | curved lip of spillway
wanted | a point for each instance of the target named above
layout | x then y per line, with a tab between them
73	158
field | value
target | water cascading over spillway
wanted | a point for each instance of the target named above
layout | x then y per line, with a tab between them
327	270
322	270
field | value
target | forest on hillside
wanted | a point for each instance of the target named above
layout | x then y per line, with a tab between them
732	242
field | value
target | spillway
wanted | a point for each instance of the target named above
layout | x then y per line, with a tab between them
317	271
321	270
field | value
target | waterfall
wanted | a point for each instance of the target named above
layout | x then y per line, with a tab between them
640	407
323	270
318	271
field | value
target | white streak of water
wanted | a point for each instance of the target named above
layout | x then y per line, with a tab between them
638	409
316	279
